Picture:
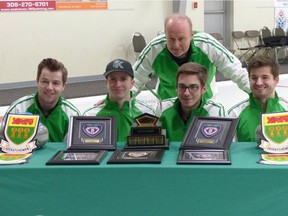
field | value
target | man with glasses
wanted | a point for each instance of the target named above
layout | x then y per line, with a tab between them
178	112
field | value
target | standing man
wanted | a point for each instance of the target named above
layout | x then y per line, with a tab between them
191	81
263	76
167	52
54	110
119	101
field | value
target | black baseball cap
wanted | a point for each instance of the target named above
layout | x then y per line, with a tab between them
119	65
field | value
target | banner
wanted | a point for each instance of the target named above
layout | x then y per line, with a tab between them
281	14
50	5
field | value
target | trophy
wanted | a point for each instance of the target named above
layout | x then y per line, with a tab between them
147	133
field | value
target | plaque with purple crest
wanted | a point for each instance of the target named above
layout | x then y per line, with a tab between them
211	136
209	133
89	138
92	132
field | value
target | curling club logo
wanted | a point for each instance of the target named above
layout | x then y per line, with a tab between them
210	130
19	133
275	130
92	129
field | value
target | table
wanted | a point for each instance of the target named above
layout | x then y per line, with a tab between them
243	188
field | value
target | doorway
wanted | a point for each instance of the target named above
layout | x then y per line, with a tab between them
218	18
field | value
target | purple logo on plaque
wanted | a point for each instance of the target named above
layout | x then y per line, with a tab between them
210	130
92	130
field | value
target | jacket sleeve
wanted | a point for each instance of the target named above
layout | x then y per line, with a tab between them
215	109
225	62
231	113
143	67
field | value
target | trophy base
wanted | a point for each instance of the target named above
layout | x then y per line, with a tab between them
165	145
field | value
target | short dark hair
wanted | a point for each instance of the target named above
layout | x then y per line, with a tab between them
53	65
263	61
193	69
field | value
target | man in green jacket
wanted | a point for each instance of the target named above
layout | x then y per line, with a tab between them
264	76
167	52
54	110
178	112
120	102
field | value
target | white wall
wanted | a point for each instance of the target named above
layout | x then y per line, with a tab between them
83	40
86	40
250	15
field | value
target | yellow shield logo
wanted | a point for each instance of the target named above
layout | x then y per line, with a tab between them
274	127
19	133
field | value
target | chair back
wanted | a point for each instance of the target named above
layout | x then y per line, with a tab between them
273	40
238	38
238	35
138	42
278	31
265	32
218	37
242	50
253	38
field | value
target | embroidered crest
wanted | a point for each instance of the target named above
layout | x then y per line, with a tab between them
275	130
92	129
210	130
19	133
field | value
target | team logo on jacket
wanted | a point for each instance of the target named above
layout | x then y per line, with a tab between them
92	129
19	133
210	130
275	130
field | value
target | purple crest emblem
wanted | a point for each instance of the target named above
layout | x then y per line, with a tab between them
210	130
92	130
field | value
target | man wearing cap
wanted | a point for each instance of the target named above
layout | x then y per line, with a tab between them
119	101
178	112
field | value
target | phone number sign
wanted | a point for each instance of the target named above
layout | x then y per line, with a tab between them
27	5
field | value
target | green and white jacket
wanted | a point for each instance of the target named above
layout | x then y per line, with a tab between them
155	59
124	117
249	112
175	126
57	121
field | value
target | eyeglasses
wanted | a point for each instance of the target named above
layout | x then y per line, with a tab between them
192	88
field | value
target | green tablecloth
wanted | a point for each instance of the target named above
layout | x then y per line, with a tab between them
243	188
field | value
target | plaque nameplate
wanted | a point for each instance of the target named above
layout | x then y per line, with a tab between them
71	157
131	156
217	156
146	130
